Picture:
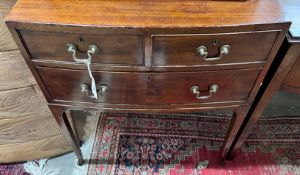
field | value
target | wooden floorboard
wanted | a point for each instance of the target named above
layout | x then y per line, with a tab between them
7	4
27	129
22	131
33	150
14	73
21	103
6	41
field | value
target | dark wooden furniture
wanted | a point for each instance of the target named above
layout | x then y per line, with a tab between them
148	56
291	82
284	73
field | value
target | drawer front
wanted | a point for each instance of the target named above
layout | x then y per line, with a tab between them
193	50
293	77
150	88
113	49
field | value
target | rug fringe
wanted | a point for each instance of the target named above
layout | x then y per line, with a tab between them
40	168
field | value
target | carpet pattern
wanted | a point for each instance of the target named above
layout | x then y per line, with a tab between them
12	169
170	144
276	129
188	144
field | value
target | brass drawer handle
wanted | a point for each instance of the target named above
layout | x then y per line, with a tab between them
212	90
93	49
72	49
202	51
101	89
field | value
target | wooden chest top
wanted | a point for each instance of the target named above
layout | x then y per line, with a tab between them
147	14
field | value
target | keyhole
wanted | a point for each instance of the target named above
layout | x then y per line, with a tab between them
215	42
80	40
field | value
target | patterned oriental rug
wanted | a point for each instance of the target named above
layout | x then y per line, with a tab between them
189	144
12	169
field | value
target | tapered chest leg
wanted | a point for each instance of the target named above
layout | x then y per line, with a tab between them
236	122
62	119
71	117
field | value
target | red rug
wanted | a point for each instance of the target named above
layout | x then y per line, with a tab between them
189	144
12	169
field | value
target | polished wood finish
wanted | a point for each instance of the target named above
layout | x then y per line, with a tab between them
284	75
150	88
292	80
154	78
147	14
113	49
266	95
235	124
176	50
62	119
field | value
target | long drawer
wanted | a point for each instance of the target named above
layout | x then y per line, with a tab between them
212	49
151	88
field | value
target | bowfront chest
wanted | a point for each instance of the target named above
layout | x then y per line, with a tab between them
142	56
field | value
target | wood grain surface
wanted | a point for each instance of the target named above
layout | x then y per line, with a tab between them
34	150
25	120
113	49
171	49
293	77
7	4
14	73
150	88
269	88
144	13
21	102
6	41
27	128
292	80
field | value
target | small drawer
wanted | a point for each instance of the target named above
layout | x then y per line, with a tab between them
293	77
212	49
150	88
113	49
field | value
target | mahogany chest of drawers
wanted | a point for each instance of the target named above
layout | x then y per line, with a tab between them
141	56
